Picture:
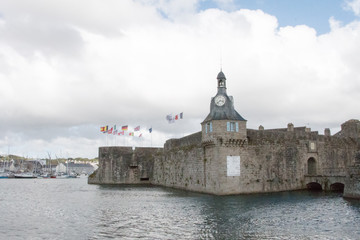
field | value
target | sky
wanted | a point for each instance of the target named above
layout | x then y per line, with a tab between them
68	68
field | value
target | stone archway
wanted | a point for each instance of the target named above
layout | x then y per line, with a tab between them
314	186
337	187
311	166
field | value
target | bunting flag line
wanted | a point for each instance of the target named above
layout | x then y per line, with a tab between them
125	129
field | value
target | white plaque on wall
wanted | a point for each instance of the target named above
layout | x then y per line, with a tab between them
233	166
312	145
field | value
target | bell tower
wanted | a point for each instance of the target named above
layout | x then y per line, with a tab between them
224	141
223	125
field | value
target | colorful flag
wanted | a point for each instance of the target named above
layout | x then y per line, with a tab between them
110	131
170	118
181	115
115	132
131	134
140	135
104	129
124	128
176	117
114	127
150	130
121	133
137	128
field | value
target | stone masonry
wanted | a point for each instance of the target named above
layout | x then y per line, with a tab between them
227	158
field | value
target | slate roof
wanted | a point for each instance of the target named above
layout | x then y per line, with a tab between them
225	112
221	75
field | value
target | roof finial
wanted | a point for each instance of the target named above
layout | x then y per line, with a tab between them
220	59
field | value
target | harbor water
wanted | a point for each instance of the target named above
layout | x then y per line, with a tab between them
72	209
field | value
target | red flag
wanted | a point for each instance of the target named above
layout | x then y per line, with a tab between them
140	135
110	131
137	128
177	117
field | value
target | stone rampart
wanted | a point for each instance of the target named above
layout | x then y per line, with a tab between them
190	140
123	165
352	182
270	161
181	164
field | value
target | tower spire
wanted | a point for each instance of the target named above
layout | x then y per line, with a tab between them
220	59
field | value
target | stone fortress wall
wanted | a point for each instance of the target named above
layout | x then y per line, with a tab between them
227	158
124	165
272	160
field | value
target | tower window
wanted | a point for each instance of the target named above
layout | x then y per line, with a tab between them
232	127
208	127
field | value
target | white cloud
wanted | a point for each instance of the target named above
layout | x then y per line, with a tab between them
77	66
354	6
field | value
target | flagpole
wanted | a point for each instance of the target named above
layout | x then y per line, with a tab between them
150	130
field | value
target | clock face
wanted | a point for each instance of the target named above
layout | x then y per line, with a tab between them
220	100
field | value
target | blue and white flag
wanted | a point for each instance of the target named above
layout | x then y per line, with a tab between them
170	118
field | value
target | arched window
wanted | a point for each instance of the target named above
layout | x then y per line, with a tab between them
311	166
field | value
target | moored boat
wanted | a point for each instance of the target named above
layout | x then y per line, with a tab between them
25	175
4	175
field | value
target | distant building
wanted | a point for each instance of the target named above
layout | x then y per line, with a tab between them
78	168
48	168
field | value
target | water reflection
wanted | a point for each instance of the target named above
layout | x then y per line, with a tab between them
72	209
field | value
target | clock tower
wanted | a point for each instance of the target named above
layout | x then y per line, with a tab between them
223	125
224	143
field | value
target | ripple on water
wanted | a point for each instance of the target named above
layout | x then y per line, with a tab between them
72	209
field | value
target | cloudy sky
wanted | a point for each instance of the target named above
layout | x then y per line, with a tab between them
69	67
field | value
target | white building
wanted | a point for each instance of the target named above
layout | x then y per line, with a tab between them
78	168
